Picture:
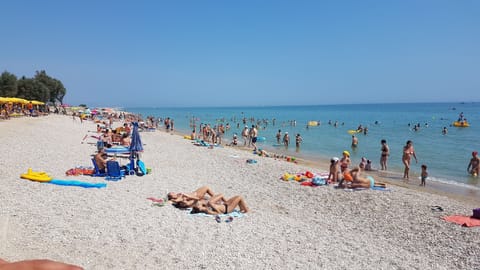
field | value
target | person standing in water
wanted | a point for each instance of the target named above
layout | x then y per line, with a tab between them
279	136
474	165
298	141
384	155
286	139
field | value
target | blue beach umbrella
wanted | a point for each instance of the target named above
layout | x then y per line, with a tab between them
135	145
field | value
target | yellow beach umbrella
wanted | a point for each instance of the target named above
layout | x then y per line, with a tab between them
3	100
36	102
18	100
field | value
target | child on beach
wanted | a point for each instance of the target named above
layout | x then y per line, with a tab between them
423	175
333	174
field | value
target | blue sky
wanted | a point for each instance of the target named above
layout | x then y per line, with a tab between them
247	53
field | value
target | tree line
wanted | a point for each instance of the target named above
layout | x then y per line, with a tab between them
41	87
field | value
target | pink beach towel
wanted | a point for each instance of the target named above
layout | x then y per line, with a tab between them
466	221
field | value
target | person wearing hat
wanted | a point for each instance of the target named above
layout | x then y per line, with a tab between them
333	175
345	161
474	166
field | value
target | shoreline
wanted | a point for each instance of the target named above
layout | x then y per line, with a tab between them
454	191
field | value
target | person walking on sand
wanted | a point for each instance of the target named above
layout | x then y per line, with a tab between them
385	152
474	165
408	152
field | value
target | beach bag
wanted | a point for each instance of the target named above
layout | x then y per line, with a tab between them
476	213
317	181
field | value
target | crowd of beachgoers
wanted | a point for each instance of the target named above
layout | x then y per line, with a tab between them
228	205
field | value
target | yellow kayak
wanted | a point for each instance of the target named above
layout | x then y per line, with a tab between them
461	124
36	176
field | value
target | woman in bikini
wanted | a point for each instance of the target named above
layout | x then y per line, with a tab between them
384	156
345	161
219	205
359	181
408	152
186	200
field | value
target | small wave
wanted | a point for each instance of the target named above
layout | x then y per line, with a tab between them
452	182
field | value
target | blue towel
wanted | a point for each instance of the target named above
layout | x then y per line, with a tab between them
234	213
76	183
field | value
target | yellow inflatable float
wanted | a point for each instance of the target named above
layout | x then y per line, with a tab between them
36	176
461	124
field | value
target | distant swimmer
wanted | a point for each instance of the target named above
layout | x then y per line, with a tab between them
444	131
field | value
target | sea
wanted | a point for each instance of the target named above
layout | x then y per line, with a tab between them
446	155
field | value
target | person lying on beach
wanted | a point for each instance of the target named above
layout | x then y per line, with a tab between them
263	153
359	181
219	205
37	265
186	200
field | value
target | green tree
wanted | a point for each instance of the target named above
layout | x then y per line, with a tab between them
8	85
56	90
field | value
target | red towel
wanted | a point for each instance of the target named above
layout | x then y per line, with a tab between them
466	221
308	183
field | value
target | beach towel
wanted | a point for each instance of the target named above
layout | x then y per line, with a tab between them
234	213
76	183
465	221
374	188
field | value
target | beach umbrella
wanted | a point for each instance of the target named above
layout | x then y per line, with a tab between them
3	100
36	102
136	142
135	145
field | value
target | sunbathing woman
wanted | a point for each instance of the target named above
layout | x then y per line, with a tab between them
219	205
186	200
359	181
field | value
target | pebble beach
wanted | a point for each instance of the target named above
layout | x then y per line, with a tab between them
289	226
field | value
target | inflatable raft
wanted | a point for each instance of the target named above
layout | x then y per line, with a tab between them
461	124
36	176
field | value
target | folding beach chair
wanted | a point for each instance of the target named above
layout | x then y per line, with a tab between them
114	172
97	170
